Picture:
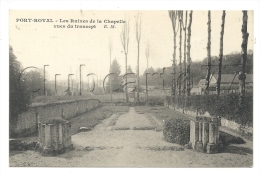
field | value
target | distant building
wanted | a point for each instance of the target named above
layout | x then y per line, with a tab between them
202	86
229	83
195	90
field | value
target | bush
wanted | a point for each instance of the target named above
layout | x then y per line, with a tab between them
177	131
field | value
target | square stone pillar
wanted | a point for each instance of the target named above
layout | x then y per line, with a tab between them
212	138
205	134
199	145
212	146
55	137
47	135
200	131
194	133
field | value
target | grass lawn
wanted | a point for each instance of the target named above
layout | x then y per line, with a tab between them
161	112
93	117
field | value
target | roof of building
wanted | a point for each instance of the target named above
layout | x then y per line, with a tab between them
228	78
201	82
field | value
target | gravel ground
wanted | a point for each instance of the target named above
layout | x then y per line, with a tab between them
132	141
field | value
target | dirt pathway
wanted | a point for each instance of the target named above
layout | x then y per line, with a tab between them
130	140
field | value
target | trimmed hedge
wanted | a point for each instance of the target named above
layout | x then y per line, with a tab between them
177	131
225	105
152	101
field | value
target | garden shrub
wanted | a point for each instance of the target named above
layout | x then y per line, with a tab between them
177	131
152	101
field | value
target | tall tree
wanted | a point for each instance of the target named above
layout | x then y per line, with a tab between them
209	56
221	52
110	52
147	53
242	72
180	15
184	60
125	42
188	55
138	22
115	78
19	95
174	15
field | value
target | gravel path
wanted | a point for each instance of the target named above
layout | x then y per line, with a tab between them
131	141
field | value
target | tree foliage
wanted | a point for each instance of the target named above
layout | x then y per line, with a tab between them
116	79
34	82
19	95
230	65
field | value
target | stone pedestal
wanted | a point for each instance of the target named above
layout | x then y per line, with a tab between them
212	148
204	134
54	137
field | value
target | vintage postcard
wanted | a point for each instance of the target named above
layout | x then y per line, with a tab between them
159	88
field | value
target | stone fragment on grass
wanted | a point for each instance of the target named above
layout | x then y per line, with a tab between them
84	129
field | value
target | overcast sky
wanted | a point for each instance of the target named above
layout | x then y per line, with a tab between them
64	49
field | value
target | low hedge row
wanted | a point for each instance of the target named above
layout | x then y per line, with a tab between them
225	105
152	101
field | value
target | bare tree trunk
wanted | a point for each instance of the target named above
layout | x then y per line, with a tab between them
221	52
242	72
125	42
209	56
138	38
188	55
137	96
180	55
174	68
184	62
126	89
110	85
173	15
147	53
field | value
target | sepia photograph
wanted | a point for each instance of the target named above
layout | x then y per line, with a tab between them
131	88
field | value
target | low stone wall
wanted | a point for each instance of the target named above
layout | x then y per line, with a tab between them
113	103
28	121
237	127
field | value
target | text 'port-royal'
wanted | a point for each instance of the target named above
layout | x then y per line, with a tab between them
33	20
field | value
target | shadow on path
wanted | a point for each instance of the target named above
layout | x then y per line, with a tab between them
228	140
